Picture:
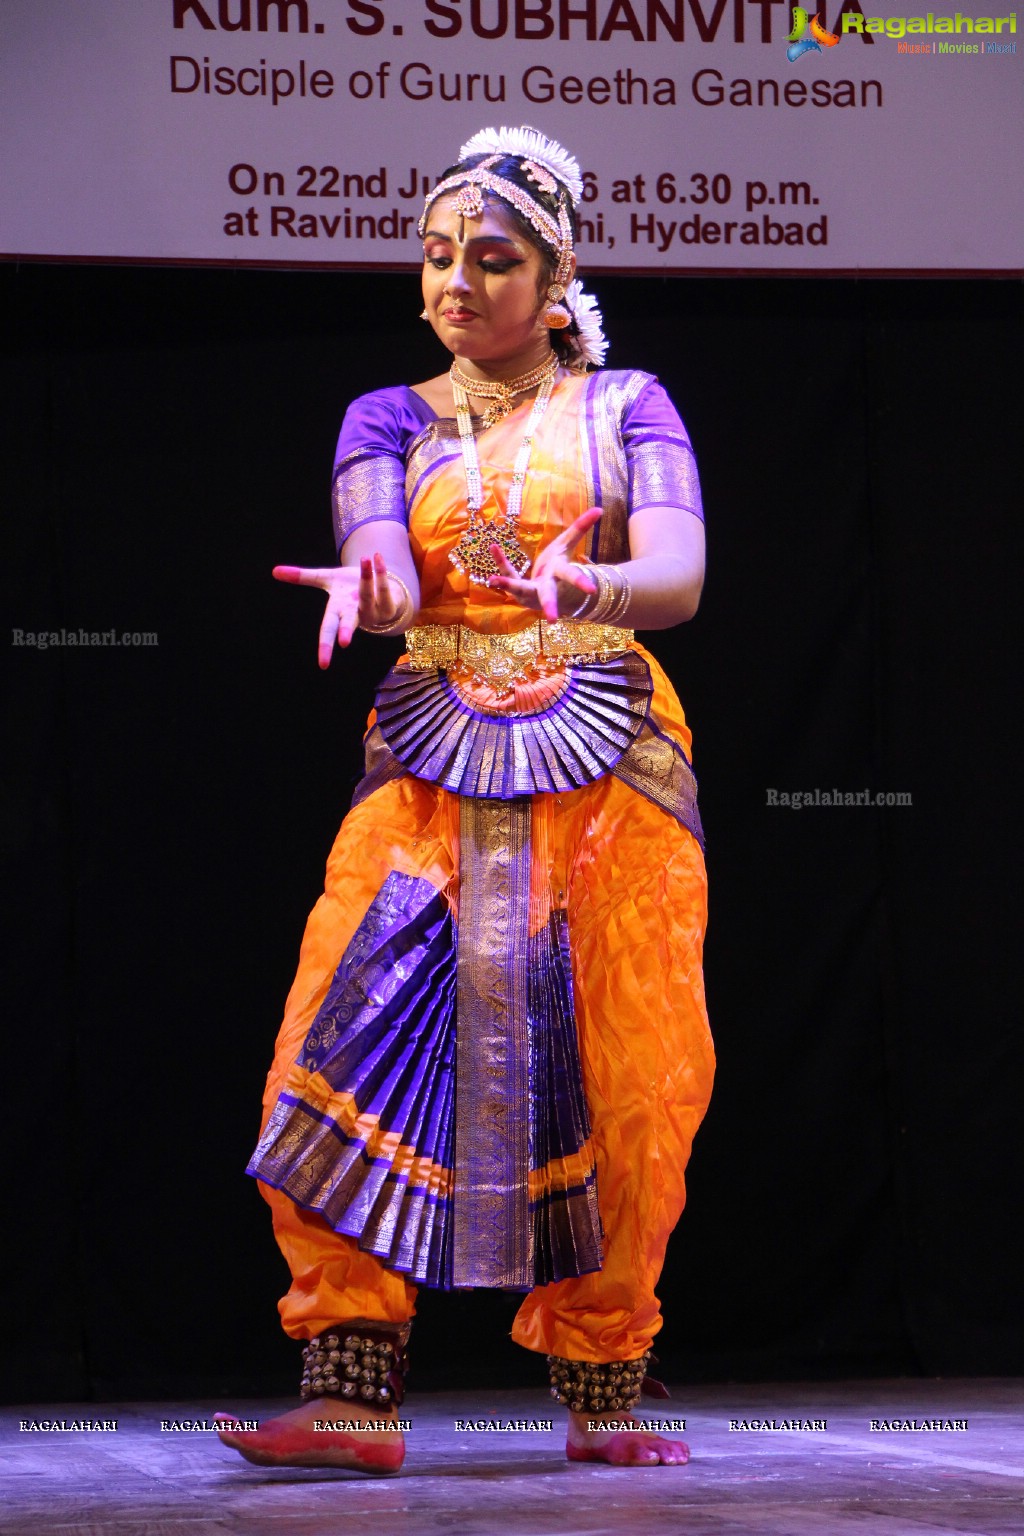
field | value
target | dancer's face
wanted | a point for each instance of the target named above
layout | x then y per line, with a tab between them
482	282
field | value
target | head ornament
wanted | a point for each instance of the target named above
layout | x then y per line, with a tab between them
528	144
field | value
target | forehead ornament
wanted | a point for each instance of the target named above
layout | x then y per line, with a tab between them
468	201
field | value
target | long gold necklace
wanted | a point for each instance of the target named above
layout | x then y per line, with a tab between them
472	554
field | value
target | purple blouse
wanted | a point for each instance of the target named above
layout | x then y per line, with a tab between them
369	480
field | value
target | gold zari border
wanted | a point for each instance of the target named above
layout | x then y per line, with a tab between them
492	1240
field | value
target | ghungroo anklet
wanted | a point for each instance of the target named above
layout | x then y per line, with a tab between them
587	1388
363	1362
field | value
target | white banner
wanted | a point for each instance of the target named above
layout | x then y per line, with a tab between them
717	135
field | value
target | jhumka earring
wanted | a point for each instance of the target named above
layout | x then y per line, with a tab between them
556	316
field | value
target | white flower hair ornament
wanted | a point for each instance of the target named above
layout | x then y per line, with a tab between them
589	344
528	144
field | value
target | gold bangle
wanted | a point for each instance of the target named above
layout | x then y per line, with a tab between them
614	595
588	597
393	626
607	596
625	595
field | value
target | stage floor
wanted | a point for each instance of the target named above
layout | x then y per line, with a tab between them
140	1480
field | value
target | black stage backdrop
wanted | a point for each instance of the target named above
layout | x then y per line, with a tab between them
169	809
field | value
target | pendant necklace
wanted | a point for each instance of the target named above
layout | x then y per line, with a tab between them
472	554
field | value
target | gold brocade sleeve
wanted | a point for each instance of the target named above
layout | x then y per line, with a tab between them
367	489
635	453
663	473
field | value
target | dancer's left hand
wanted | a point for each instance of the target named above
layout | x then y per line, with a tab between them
552	580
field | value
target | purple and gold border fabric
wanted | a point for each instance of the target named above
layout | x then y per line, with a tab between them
363	1131
369	481
459	1157
635	453
656	766
492	1208
525	1191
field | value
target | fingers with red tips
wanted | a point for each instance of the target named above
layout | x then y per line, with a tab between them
303	575
502	561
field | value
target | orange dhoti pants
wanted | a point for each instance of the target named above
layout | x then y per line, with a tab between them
633	881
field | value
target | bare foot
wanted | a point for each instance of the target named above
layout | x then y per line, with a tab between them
621	1441
294	1440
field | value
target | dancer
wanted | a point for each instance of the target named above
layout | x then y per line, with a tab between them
495	1053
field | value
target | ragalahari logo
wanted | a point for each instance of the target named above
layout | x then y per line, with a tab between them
867	28
800	43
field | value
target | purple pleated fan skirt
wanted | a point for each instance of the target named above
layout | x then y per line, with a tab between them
436	734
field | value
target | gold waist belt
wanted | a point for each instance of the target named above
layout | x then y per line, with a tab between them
502	659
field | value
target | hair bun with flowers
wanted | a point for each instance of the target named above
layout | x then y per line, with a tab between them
589	341
527	144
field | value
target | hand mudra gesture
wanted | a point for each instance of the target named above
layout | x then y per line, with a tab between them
355	595
552	577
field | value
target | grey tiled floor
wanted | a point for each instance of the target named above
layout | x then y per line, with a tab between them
849	1479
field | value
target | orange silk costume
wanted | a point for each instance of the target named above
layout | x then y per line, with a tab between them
609	858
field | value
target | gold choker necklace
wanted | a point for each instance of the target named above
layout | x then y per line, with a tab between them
502	391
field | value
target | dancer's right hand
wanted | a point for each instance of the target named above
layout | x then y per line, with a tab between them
355	595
